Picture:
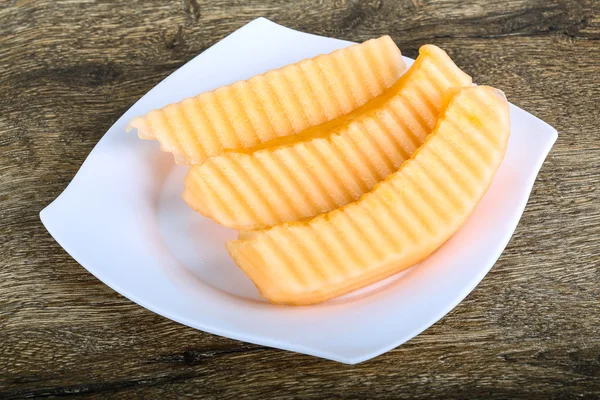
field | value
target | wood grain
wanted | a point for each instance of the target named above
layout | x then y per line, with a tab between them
69	69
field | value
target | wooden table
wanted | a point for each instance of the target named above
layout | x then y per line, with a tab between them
69	69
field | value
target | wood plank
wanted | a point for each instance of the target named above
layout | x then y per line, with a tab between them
69	69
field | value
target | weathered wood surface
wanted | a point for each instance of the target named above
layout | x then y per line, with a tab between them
69	69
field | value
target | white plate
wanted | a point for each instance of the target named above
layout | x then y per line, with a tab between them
122	218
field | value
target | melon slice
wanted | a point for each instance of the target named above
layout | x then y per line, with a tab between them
329	165
279	103
399	223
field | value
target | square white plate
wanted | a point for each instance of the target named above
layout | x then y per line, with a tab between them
122	218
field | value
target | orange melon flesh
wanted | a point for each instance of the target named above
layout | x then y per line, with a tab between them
399	223
329	165
279	103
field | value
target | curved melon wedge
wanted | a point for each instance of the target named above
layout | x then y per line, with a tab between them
279	103
328	166
399	223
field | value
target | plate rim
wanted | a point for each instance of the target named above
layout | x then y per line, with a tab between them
549	138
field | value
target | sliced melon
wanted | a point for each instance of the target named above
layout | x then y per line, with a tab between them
329	165
399	223
279	103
